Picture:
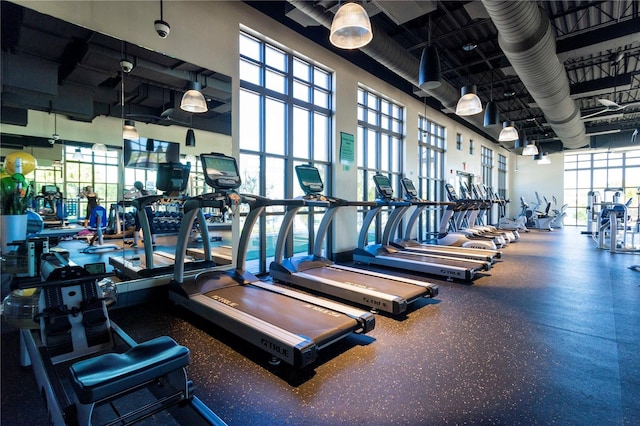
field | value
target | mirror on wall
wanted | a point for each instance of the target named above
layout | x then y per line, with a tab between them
79	85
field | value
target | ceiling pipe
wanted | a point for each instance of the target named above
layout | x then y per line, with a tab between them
392	55
524	35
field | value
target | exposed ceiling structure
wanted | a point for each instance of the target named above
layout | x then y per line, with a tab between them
53	66
588	97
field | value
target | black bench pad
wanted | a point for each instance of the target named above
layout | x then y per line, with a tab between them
100	377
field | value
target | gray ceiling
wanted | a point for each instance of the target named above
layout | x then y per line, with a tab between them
53	66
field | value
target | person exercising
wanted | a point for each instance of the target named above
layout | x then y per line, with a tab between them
92	201
138	191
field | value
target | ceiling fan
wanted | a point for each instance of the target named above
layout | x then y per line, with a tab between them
612	106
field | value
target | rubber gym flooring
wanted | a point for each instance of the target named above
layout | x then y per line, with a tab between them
551	335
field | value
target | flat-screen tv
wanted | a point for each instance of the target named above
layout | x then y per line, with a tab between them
172	177
147	153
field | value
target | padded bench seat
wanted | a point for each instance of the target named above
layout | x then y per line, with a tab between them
106	375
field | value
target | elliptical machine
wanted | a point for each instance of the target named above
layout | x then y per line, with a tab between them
518	223
558	215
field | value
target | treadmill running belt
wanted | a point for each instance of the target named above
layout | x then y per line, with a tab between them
397	288
419	257
304	319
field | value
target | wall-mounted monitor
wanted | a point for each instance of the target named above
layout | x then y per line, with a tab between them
148	153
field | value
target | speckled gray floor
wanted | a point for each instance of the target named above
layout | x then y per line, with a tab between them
549	336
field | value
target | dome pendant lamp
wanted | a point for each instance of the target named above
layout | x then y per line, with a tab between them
508	132
530	149
351	27
129	130
193	100
469	103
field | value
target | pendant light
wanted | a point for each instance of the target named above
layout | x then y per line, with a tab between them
129	130
193	100
491	115
99	148
429	73
351	27
508	132
521	142
190	140
544	158
530	149
469	102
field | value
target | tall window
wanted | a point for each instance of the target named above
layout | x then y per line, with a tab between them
285	119
380	147
471	147
502	176
431	150
601	173
458	141
487	165
486	160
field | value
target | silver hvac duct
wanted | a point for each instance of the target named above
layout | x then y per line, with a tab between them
524	35
393	56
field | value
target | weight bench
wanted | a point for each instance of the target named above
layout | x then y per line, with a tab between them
109	376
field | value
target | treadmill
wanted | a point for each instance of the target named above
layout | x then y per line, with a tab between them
289	325
314	272
172	179
406	243
386	255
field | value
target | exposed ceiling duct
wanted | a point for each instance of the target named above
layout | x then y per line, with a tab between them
524	34
530	49
393	56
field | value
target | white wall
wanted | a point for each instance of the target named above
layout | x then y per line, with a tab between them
214	45
546	179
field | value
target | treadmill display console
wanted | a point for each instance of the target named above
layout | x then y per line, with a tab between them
383	185
220	171
172	177
310	179
409	187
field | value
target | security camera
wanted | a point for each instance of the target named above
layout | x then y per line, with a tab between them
53	139
126	65
162	28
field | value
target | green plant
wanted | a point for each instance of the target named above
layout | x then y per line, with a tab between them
16	194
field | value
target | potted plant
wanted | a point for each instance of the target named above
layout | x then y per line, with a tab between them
16	195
